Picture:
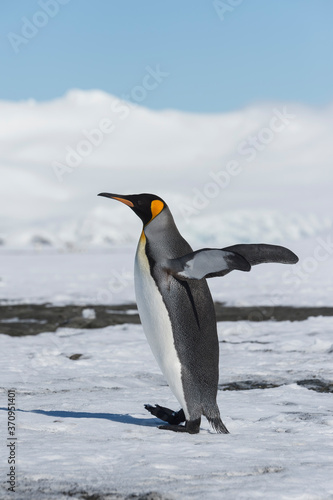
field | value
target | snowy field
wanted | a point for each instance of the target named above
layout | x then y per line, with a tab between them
82	431
105	276
81	424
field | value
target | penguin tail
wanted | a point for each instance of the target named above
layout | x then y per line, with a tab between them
212	414
218	425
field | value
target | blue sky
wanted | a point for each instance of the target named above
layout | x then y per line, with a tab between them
261	50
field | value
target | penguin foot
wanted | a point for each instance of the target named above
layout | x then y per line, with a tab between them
191	426
175	428
170	416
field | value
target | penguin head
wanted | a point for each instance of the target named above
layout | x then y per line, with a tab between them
146	206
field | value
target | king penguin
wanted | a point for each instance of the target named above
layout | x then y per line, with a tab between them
177	311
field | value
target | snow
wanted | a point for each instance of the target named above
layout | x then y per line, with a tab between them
231	177
227	178
105	276
83	422
88	313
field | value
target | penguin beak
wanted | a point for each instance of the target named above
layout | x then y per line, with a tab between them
117	197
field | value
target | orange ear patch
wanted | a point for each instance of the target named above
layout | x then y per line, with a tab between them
156	207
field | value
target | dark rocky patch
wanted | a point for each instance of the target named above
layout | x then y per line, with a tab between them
247	385
48	318
313	384
44	489
74	357
264	313
31	319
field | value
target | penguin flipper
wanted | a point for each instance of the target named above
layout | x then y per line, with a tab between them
206	263
172	417
260	253
212	262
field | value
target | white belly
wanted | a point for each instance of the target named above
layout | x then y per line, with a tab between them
156	324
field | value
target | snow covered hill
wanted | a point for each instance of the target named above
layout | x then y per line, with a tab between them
263	172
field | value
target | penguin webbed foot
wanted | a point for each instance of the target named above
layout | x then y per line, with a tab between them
191	427
167	415
174	428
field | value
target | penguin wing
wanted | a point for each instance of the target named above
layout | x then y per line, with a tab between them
261	253
206	263
213	262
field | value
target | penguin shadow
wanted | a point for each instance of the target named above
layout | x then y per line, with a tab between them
114	417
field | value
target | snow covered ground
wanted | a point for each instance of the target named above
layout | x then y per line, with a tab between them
106	277
261	174
81	425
